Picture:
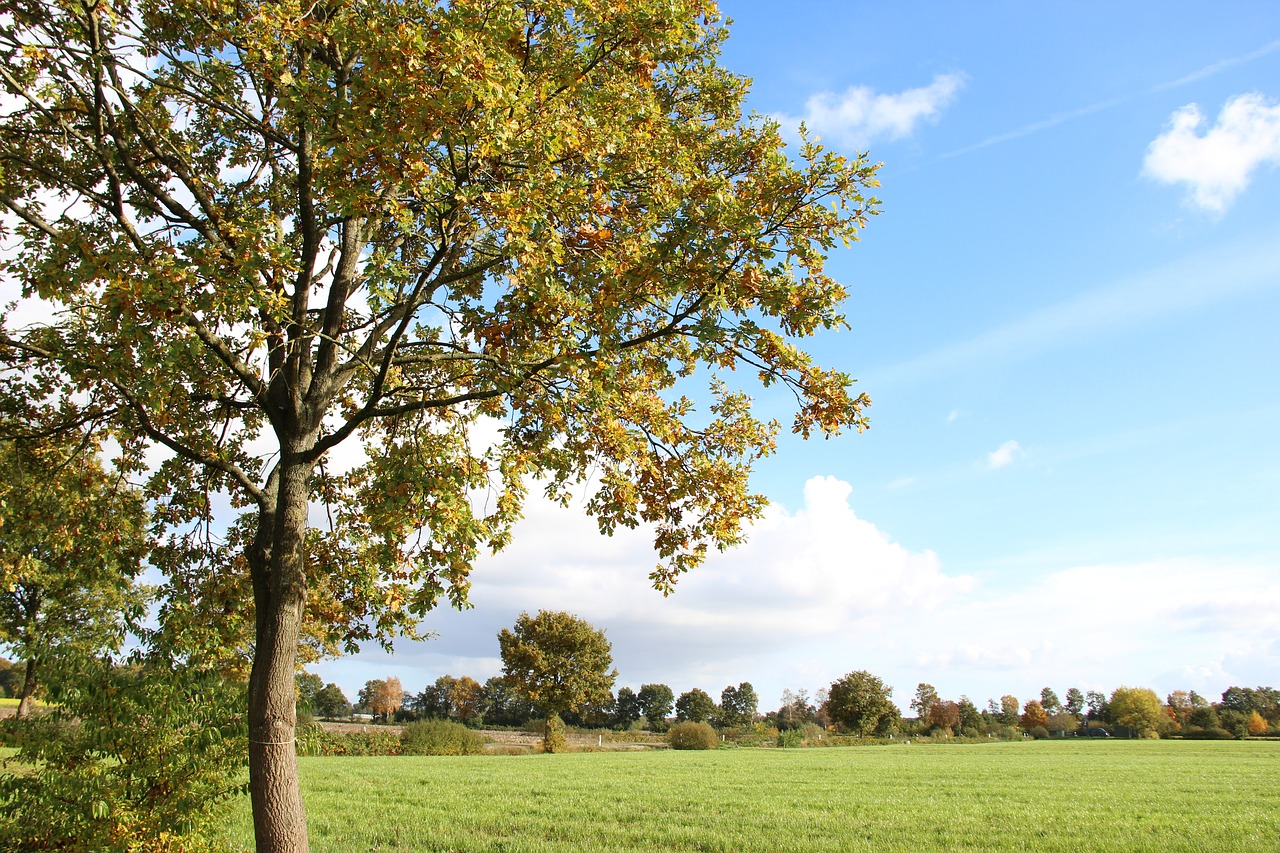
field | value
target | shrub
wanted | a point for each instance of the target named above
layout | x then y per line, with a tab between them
1214	733
790	738
554	739
439	737
314	740
690	735
1039	732
139	757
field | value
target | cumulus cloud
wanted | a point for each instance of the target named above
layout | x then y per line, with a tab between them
860	115
819	591
1218	163
819	575
1161	626
1004	455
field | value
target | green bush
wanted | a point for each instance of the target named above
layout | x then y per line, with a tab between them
314	740
790	738
690	735
1208	734
1039	732
439	737
554	739
133	758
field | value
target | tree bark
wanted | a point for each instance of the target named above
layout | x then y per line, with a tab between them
29	684
279	583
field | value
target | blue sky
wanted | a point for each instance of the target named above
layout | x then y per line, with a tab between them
1066	318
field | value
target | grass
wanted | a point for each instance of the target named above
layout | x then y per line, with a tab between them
1140	795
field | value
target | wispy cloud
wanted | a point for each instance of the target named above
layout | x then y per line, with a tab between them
1216	165
1185	284
1219	66
1004	455
1109	103
861	115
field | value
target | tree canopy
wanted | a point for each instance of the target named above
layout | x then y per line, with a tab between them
72	540
1137	707
558	661
266	228
656	702
695	706
861	703
738	705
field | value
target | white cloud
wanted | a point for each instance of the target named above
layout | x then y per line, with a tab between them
862	115
1216	165
1165	624
816	576
819	591
1004	455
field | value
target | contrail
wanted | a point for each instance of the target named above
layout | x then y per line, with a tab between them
1052	121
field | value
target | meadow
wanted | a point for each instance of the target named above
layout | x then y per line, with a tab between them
1046	795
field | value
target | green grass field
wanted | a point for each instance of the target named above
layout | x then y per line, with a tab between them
1069	796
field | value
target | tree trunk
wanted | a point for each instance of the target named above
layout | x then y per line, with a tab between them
279	582
29	684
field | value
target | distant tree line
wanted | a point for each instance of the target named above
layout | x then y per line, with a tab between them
494	703
858	704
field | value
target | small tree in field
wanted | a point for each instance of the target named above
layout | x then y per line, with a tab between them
944	715
1033	716
738	705
926	696
656	702
330	701
860	703
558	661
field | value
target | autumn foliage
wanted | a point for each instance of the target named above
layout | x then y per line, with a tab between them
265	229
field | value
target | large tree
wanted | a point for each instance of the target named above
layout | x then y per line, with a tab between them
738	705
330	702
270	227
695	706
1138	708
656	702
382	697
861	703
926	696
558	661
72	539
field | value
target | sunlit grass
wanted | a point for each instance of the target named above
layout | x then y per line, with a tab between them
1157	796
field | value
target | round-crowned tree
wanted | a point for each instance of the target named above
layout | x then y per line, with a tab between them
860	703
695	706
558	661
